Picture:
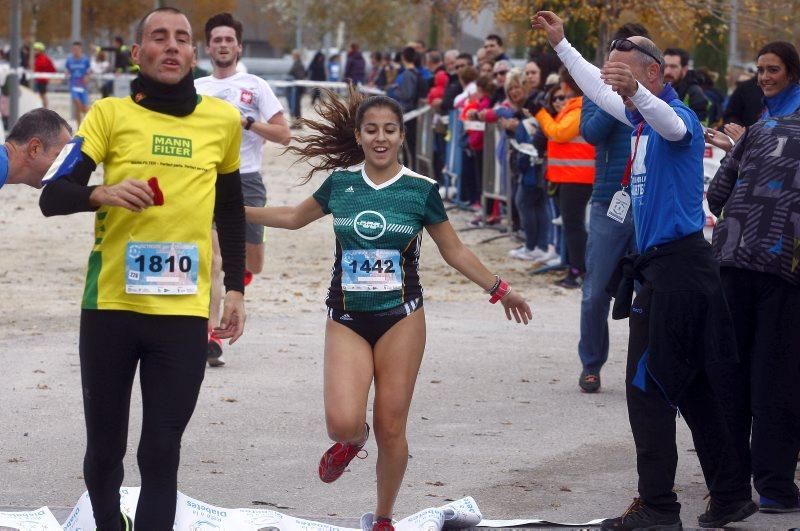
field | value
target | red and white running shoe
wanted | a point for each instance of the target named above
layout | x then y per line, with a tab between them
338	456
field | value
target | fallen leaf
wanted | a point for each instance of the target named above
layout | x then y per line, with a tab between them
270	504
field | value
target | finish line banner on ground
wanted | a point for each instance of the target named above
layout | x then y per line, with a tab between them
196	515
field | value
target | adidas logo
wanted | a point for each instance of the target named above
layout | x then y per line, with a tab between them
346	317
349	189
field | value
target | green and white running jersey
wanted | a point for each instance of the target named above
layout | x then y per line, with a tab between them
378	236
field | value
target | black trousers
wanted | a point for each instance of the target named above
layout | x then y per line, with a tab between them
653	421
766	315
171	354
471	188
439	153
573	199
411	143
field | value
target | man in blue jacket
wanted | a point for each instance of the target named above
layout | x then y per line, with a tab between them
406	91
681	351
608	240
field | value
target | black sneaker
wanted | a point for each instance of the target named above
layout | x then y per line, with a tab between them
573	280
589	382
718	515
641	517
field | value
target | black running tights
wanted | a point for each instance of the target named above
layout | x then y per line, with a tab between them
171	354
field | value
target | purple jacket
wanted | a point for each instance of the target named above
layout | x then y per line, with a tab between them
356	67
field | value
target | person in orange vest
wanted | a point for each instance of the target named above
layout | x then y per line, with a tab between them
570	165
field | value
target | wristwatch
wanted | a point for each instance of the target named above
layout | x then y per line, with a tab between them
250	120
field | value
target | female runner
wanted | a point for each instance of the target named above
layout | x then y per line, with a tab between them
376	323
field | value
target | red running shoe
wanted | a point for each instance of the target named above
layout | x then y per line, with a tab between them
338	456
382	524
214	353
248	277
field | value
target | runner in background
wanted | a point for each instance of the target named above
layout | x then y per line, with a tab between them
262	119
42	63
78	67
376	323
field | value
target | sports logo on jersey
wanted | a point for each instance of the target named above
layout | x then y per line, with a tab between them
370	225
172	146
246	97
349	189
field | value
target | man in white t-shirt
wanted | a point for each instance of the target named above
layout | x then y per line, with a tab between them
262	119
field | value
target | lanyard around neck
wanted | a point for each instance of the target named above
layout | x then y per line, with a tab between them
626	177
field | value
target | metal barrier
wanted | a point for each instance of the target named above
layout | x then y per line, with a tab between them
424	158
453	154
496	174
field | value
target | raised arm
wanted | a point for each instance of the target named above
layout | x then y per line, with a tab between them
587	76
286	217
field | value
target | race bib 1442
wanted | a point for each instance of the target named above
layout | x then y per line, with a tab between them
371	270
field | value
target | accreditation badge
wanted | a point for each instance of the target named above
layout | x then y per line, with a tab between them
619	206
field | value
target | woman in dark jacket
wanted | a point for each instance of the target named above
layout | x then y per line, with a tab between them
316	72
756	194
297	73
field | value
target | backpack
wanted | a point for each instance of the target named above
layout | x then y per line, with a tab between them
422	85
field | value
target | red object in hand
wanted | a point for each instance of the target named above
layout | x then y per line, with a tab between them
158	195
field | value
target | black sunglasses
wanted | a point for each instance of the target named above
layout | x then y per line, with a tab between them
559	98
624	45
500	73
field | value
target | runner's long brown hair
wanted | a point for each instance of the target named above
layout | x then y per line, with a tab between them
332	144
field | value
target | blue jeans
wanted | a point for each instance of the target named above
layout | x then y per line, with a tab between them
608	242
530	202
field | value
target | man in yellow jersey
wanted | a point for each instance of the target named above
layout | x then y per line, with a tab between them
171	163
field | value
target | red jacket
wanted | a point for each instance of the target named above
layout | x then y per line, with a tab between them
440	81
42	63
475	138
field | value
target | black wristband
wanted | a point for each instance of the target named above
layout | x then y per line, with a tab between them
250	121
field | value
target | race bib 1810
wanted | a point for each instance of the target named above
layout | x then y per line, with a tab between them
371	270
161	268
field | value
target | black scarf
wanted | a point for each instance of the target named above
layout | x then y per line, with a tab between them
178	100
